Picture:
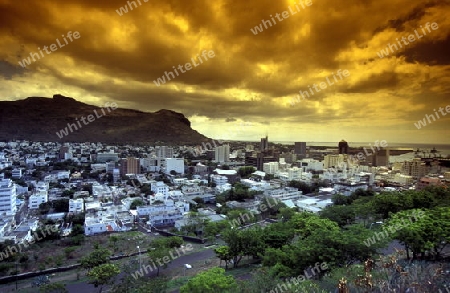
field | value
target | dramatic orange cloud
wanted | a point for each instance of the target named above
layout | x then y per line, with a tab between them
253	77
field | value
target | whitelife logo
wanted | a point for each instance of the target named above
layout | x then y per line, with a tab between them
417	215
13	249
284	14
353	159
187	66
411	38
423	123
90	118
166	259
53	48
124	9
323	85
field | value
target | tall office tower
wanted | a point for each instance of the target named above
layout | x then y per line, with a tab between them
343	147
123	167
63	150
381	158
7	197
300	149
333	161
222	153
264	146
164	152
133	166
415	168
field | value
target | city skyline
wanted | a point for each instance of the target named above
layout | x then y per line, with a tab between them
319	72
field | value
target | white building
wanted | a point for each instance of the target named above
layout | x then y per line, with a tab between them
222	153
164	152
219	179
294	173
7	197
311	164
330	161
159	187
175	164
164	214
40	196
99	223
4	161
16	173
63	175
271	167
403	179
313	205
76	205
347	188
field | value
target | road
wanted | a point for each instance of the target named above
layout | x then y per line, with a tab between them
176	263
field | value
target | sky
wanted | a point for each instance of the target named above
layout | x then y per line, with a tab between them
248	86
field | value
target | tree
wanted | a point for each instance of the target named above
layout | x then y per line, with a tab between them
103	274
98	257
159	250
304	187
114	239
233	238
68	193
210	281
340	199
53	288
77	229
61	205
421	231
223	253
341	214
245	172
44	208
137	202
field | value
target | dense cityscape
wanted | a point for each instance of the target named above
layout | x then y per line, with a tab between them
194	192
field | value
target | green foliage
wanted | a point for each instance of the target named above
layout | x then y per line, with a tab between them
210	281
341	214
304	187
340	199
61	205
53	288
98	257
245	172
44	208
68	251
421	231
68	193
174	241
103	274
136	203
77	229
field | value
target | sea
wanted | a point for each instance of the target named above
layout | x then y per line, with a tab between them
442	149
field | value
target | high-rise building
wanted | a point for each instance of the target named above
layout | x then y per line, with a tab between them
63	150
415	168
8	197
333	161
343	147
222	153
300	149
164	152
123	167
381	158
264	145
270	167
175	164
133	166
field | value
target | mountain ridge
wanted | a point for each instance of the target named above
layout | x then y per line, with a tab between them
41	118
